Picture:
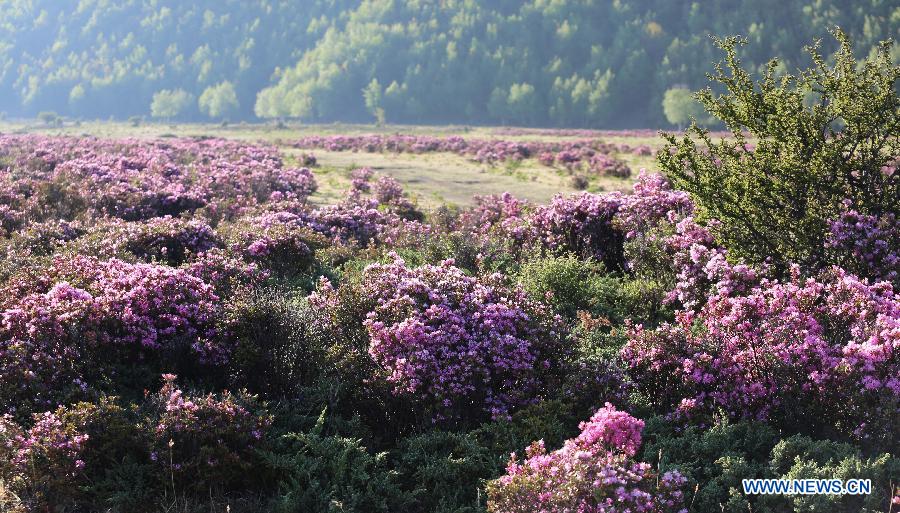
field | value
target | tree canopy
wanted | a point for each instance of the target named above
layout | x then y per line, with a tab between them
591	63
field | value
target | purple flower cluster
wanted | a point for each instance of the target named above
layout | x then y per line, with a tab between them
593	473
830	343
208	437
50	444
661	233
455	342
488	151
166	239
84	309
360	182
501	212
582	224
226	272
274	240
866	245
605	165
64	177
653	201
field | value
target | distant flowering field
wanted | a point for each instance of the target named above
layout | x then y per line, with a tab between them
181	327
590	155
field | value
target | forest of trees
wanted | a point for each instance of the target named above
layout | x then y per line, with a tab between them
579	63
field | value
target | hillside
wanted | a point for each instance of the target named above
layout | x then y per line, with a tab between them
588	63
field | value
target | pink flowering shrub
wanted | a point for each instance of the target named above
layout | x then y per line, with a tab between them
42	463
360	181
226	272
605	165
652	202
502	213
487	151
581	224
866	245
42	239
459	345
64	177
169	240
812	349
208	440
42	348
663	242
84	312
279	242
358	223
592	473
389	193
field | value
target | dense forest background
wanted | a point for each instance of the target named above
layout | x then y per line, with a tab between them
579	63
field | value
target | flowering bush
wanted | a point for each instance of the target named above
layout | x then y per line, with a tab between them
779	351
279	242
42	239
226	272
594	472
581	224
206	441
42	463
42	349
489	151
503	213
866	245
169	240
64	177
455	343
604	165
52	338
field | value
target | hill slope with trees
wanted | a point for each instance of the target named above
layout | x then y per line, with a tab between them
591	63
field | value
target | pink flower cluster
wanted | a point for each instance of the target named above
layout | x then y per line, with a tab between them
488	151
273	239
593	473
582	224
226	272
829	343
458	344
656	218
57	328
63	177
49	444
867	245
200	437
501	212
168	240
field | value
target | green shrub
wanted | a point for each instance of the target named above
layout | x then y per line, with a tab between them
800	457
715	459
445	471
552	421
473	253
275	351
329	473
822	140
570	285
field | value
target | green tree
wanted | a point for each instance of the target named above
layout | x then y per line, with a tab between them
170	103
497	104
372	95
813	156
680	107
522	103
49	117
219	101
